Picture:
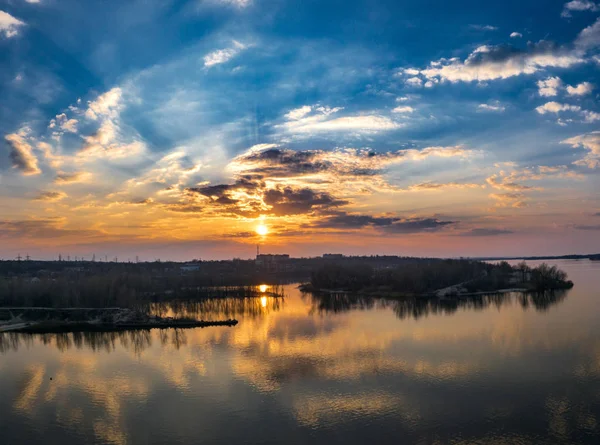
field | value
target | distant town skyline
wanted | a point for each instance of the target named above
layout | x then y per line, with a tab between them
201	129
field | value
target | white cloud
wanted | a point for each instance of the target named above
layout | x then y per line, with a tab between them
223	55
299	113
578	5
499	62
483	27
589	37
321	119
590	116
555	107
65	124
580	90
32	1
549	87
411	71
402	99
403	109
236	3
487	107
9	25
413	82
515	35
105	105
591	143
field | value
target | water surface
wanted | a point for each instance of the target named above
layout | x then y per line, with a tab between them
511	369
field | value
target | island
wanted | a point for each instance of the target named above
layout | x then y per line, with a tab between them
437	278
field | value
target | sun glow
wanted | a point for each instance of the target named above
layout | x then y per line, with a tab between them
262	230
263	301
263	288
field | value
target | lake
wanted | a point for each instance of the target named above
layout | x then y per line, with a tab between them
492	370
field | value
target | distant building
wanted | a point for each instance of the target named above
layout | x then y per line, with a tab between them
273	263
189	267
333	256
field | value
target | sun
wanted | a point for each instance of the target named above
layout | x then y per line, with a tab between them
262	230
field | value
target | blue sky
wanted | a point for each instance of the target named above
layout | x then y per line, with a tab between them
172	127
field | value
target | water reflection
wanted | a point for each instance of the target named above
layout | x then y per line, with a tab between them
136	341
220	308
496	369
421	307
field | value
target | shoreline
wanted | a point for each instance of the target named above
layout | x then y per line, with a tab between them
57	327
431	296
59	320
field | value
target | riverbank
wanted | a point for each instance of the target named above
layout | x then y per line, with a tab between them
51	320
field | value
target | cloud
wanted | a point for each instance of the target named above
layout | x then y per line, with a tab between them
64	123
589	38
515	35
322	119
64	178
51	196
281	162
343	220
435	186
403	110
487	107
299	113
289	201
578	5
236	3
589	142
221	56
44	228
21	154
501	62
486	232
515	200
555	107
414	82
580	90
9	25
106	105
584	227
483	27
549	87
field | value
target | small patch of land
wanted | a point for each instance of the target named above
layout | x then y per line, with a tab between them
437	279
52	320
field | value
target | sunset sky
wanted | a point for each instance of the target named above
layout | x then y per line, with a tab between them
175	129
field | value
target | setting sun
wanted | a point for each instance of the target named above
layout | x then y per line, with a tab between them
262	230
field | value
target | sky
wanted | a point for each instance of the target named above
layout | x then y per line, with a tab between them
169	129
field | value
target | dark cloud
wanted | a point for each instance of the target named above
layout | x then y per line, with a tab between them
342	220
353	221
597	214
416	225
486	232
583	227
289	201
277	162
285	162
51	196
221	193
21	155
69	178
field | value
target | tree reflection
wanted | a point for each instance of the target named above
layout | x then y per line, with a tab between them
421	307
136	341
219	308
